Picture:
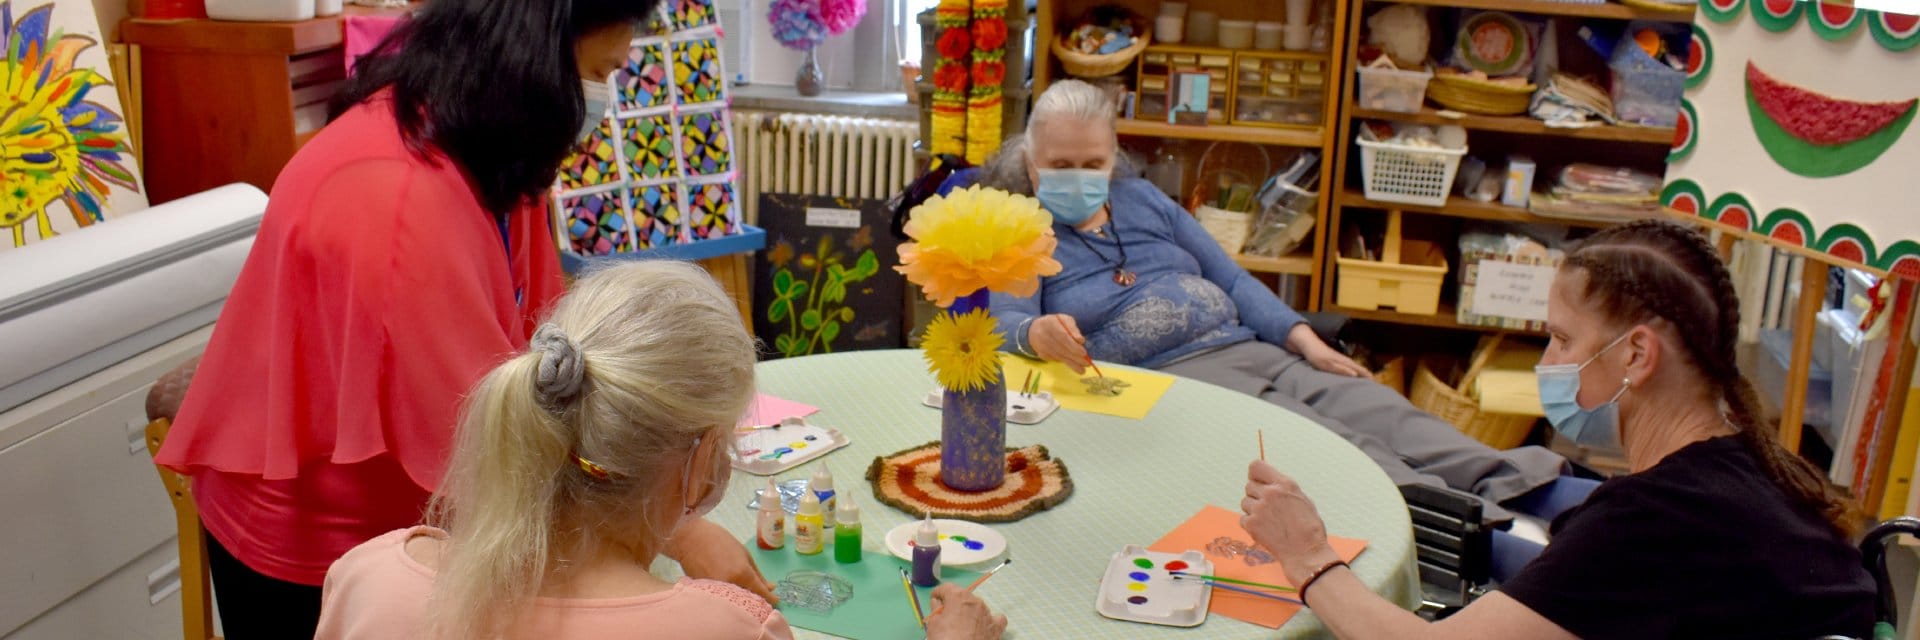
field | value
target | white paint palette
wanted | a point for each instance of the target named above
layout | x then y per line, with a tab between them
773	449
1138	588
1022	408
963	544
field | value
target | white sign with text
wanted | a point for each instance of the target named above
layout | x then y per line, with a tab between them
837	218
1512	290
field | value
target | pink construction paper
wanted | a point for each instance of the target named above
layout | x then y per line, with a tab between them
767	409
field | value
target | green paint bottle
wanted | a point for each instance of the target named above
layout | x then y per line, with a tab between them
846	530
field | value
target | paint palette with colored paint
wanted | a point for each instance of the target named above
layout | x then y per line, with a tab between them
1138	588
1022	408
769	449
963	544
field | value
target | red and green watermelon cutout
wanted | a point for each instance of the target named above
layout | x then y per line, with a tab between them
1684	196
1847	242
1699	57
1789	226
1895	31
1685	132
1732	209
1903	259
1833	21
1776	15
1721	11
1820	136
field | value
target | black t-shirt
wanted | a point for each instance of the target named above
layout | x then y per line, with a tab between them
1702	545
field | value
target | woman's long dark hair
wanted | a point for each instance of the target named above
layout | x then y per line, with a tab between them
493	84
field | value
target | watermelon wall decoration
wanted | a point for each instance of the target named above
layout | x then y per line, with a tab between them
1834	21
1684	132
1895	31
1684	195
1847	242
1820	136
1732	209
1699	57
1722	10
1776	15
1787	225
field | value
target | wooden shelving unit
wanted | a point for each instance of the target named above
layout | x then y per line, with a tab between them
1607	10
1304	138
1347	183
1525	125
1463	208
1311	263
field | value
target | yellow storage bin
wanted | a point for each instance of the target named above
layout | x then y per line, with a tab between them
1409	286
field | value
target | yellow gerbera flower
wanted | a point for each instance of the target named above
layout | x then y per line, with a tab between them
978	238
962	351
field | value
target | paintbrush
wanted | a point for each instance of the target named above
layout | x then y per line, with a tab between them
913	597
1263	594
1263	445
1026	387
1250	583
1096	368
977	581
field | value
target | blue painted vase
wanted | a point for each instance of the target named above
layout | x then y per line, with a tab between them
973	425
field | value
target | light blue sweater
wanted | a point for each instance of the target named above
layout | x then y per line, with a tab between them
1190	295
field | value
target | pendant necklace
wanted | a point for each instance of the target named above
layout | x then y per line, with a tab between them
1121	276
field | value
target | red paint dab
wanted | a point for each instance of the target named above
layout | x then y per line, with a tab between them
1176	566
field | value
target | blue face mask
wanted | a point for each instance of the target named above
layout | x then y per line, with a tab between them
1072	195
597	95
1598	427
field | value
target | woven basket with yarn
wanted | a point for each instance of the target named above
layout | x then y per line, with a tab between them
1452	404
1462	93
1085	65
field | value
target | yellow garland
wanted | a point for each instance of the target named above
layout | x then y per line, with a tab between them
962	350
978	238
949	117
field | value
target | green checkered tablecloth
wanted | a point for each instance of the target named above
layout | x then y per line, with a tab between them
1134	480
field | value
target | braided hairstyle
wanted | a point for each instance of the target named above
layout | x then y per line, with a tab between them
1656	269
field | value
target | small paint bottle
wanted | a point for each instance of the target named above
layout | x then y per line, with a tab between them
822	487
846	530
771	529
926	554
807	526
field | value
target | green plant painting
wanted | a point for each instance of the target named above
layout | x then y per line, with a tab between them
810	295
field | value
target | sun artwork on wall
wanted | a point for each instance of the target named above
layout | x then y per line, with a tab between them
57	146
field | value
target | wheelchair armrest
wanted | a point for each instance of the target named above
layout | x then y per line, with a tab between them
1330	327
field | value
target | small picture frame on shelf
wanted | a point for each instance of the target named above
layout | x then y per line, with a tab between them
1192	92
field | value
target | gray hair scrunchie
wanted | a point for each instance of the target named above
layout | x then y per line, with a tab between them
562	368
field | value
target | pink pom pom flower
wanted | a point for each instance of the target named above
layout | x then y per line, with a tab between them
841	16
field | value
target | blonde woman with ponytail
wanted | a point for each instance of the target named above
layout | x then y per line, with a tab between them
576	463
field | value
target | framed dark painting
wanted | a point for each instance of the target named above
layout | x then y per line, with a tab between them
825	282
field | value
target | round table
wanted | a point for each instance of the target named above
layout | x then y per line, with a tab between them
1134	480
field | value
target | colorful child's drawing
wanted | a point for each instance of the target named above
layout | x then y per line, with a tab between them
592	163
703	138
64	159
696	70
655	25
649	147
656	215
642	81
595	223
711	208
691	14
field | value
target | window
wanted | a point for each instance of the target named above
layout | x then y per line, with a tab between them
864	59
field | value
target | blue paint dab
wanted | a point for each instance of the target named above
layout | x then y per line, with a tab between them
1138	576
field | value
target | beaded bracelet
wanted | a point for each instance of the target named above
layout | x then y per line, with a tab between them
1315	576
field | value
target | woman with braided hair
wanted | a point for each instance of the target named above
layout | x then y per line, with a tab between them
576	461
1717	532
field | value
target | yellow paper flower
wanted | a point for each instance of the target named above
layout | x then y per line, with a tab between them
978	238
962	351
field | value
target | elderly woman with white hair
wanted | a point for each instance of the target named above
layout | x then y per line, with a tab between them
1143	284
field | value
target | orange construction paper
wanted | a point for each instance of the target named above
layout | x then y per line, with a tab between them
1214	522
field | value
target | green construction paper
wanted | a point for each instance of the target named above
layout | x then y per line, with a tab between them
879	609
1821	161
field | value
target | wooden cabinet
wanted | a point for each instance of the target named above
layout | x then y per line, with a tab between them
224	102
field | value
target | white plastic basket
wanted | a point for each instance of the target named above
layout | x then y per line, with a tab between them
1407	174
1392	89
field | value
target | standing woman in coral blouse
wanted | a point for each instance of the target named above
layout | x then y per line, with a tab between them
405	251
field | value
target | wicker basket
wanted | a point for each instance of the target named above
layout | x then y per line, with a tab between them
1462	93
1082	65
1393	375
1497	430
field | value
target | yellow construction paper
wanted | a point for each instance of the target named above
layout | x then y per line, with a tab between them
1135	401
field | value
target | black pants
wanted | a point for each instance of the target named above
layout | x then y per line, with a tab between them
256	607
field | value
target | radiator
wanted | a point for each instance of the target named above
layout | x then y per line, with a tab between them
821	155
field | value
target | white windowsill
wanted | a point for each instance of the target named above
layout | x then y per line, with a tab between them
771	97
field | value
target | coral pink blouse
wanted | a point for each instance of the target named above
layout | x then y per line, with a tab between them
378	292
